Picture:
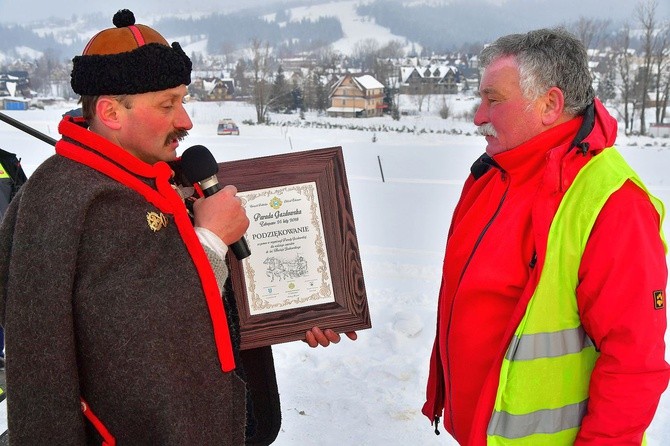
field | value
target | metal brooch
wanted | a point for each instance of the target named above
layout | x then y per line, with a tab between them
156	221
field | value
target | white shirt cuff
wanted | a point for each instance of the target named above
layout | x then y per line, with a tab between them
212	241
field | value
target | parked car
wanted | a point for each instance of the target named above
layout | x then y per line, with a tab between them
227	127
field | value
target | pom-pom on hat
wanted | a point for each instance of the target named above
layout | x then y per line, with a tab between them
129	59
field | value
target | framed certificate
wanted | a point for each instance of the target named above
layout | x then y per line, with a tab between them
304	269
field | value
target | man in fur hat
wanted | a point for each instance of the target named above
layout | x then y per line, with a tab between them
110	290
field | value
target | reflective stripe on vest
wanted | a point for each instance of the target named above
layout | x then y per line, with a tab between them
544	379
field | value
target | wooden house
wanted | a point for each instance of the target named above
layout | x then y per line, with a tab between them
212	89
431	79
15	84
357	97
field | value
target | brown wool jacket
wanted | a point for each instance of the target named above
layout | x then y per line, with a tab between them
97	304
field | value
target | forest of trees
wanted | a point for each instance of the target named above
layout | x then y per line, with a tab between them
225	33
229	32
12	36
462	25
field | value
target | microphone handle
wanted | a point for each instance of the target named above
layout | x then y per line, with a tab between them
211	190
240	248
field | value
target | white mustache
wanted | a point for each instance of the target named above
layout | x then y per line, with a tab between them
487	130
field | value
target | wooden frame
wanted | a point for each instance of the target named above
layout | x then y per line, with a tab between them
348	310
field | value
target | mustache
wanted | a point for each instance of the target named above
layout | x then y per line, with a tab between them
487	130
179	135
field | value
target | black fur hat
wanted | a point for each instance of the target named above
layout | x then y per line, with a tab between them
129	59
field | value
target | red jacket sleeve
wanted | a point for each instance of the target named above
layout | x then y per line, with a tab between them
623	266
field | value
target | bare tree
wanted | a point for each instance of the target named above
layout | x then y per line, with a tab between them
666	94
589	30
645	12
45	71
327	57
262	87
625	71
422	92
365	52
383	64
392	50
445	110
227	50
662	72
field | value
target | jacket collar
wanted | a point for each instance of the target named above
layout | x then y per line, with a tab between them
530	152
74	129
584	130
597	129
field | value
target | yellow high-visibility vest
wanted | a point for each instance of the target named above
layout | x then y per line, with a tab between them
544	379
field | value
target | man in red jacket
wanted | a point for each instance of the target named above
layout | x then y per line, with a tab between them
543	126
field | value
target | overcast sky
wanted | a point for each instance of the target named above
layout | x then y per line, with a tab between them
22	11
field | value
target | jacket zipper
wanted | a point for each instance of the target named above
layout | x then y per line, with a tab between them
460	279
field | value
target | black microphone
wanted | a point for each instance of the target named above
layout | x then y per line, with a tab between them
199	166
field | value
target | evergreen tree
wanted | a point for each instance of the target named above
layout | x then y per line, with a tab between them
297	97
280	97
242	84
321	96
309	90
606	90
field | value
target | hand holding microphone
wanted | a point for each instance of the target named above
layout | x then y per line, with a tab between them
222	213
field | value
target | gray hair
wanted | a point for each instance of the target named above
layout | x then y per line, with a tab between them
547	58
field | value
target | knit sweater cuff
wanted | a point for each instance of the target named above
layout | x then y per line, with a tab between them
216	253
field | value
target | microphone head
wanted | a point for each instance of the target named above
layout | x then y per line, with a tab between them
198	163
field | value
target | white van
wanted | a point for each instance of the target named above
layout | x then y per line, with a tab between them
227	127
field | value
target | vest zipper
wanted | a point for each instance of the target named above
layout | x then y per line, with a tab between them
503	176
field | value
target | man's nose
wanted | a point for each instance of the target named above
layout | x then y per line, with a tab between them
480	115
183	120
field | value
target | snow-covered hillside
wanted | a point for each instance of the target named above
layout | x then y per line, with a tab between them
370	392
356	28
82	18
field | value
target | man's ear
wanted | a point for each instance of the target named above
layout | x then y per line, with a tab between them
553	106
107	110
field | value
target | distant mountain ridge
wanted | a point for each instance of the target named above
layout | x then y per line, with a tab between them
223	32
435	25
448	25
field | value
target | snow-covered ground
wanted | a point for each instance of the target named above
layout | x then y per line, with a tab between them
370	392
